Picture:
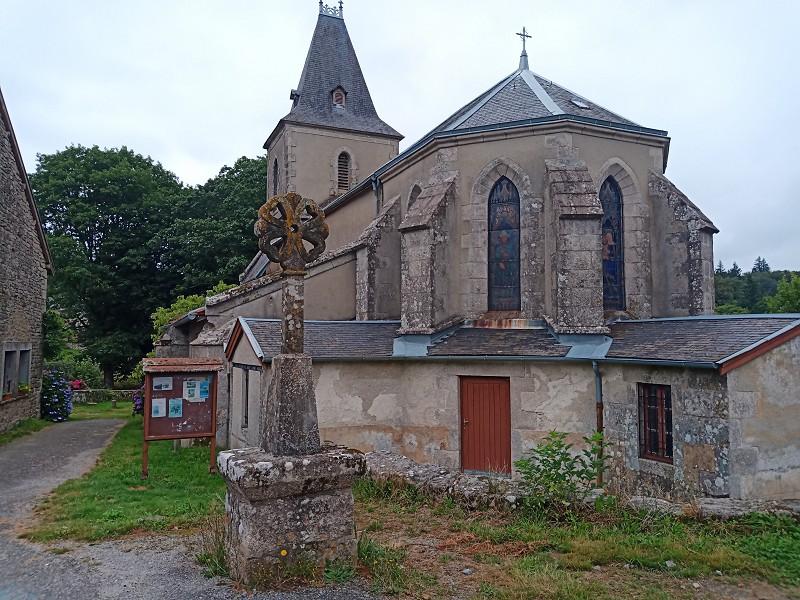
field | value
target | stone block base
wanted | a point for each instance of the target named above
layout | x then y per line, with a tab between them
282	511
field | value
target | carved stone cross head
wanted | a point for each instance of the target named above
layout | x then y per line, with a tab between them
285	224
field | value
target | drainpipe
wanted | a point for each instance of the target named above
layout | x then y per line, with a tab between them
598	399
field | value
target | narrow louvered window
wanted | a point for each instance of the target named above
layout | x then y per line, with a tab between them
275	178
655	422
245	398
343	172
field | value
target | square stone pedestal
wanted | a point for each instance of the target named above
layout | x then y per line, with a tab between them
285	510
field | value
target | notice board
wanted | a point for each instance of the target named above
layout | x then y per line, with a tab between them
180	401
180	405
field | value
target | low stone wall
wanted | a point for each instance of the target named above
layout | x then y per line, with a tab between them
475	491
102	395
14	410
483	491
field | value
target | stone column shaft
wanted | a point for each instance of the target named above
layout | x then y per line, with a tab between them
292	302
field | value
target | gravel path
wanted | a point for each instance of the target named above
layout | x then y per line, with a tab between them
147	568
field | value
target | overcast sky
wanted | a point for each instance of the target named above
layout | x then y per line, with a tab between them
196	84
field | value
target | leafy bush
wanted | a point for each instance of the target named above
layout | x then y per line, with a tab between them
56	398
164	315
554	478
74	364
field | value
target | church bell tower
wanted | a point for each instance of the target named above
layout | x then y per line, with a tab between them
332	137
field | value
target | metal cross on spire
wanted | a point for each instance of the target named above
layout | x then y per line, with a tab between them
523	58
524	35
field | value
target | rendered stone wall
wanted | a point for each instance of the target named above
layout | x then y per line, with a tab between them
412	408
701	457
765	425
23	280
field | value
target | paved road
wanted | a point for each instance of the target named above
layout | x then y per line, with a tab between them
151	568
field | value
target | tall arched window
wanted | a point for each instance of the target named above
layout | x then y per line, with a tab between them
412	197
275	178
504	246
343	172
612	240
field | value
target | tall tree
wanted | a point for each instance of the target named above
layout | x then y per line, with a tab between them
736	270
105	211
212	238
787	296
761	265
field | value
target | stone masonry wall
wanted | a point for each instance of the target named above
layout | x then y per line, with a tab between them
576	253
700	464
683	273
23	280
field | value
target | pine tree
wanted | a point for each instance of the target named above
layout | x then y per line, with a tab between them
736	271
720	269
761	265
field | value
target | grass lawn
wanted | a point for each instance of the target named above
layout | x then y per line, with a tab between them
416	547
101	410
112	500
23	428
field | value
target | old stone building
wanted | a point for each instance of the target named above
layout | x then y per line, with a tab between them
24	265
525	266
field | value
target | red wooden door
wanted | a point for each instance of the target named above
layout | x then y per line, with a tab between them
485	424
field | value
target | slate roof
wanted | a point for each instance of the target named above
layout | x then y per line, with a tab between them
329	339
699	339
524	95
707	341
479	341
332	62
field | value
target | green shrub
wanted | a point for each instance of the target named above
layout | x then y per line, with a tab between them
554	478
74	364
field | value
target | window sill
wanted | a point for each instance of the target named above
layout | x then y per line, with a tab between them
8	398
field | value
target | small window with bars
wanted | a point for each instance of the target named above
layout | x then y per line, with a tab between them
655	422
343	172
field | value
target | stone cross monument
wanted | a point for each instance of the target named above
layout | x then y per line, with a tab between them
291	500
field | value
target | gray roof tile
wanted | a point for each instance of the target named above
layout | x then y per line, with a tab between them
693	339
332	62
480	341
331	339
513	100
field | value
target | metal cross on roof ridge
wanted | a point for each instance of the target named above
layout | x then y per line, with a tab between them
524	35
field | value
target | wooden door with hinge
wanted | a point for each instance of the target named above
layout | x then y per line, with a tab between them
485	424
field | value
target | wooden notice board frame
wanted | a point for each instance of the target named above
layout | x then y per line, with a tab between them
181	417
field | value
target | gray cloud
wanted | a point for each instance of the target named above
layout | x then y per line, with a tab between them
197	84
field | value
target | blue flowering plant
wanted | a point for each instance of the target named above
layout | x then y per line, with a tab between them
138	402
56	396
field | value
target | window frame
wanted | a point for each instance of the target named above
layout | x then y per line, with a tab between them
664	426
347	177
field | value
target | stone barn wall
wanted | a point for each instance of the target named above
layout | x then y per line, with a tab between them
700	464
23	286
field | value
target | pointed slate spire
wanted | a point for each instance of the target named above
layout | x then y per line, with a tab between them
331	65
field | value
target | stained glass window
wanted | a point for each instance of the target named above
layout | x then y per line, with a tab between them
504	246
612	244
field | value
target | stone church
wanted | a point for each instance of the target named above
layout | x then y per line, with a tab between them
526	266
